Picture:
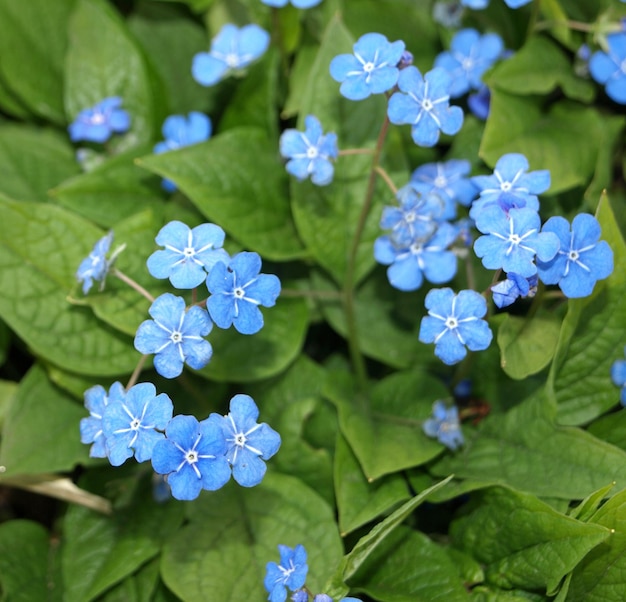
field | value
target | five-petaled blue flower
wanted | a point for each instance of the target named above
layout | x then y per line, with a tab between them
237	290
480	4
180	131
507	291
175	336
96	400
310	152
189	253
131	424
290	573
444	426
232	49
408	266
296	3
610	68
98	123
372	69
512	241
424	102
454	322
192	456
248	443
582	258
95	266
470	55
618	376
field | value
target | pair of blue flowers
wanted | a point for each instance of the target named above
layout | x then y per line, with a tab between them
193	455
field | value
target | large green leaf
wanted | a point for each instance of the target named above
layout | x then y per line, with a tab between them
33	40
236	180
233	533
523	541
41	246
592	337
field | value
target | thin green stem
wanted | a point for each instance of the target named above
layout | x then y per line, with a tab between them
134	285
382	172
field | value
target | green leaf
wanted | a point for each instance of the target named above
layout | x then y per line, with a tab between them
601	576
523	541
539	67
525	449
8	389
358	501
548	140
236	180
611	428
233	533
24	562
32	161
104	60
392	416
100	551
592	337
33	41
527	344
41	417
587	508
41	246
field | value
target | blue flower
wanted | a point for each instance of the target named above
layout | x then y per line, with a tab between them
309	152
372	69
237	290
480	4
470	55
232	49
327	598
446	179
96	400
408	266
180	131
192	456
454	322
189	253
300	596
582	258
175	336
423	102
479	102
290	573
507	291
444	426
510	176
95	266
618	376
98	123
296	3
248	443
131	424
448	13
610	68
512	241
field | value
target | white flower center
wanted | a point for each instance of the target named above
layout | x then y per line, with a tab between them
232	60
506	186
515	239
410	217
240	439
176	337
451	323
191	456
440	182
189	252
368	67
573	255
427	104
135	424
98	119
239	293
311	152
467	63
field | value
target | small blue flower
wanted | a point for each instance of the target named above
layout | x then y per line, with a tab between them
454	322
309	152
290	573
372	69
448	13
479	102
480	4
248	443
180	131
189	253
470	55
507	291
618	376
237	290
408	266
175	336
444	426
232	49
448	180
98	123
582	258
296	3
512	241
300	596
192	456
131	424
95	266
610	68
424	102
96	400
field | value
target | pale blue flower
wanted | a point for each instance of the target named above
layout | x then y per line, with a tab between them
98	123
507	291
447	179
296	3
96	400
444	426
610	68
95	266
290	573
618	376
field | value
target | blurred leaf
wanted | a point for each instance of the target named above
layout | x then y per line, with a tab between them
611	428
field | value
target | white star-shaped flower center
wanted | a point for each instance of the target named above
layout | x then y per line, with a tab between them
410	217
368	67
176	337
312	152
135	424
506	186
427	104
573	255
440	182
239	292
451	323
240	439
515	239
191	456
189	252
232	60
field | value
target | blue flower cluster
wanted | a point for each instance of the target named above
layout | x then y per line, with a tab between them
609	68
444	426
